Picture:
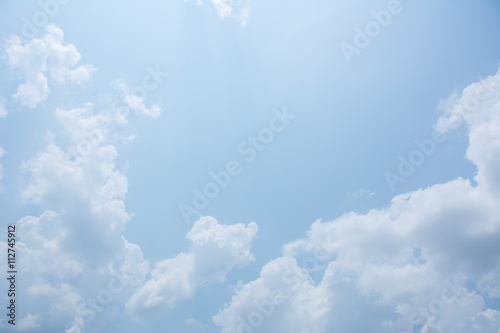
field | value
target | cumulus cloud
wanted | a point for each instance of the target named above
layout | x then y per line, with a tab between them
136	102
87	155
75	260
40	56
215	250
283	291
469	107
429	262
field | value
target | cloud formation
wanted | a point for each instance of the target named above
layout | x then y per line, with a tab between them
429	262
136	102
40	56
75	248
215	250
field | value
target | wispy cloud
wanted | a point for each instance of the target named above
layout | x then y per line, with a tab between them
136	102
361	193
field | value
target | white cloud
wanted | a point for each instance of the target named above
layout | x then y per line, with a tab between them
39	56
215	250
28	322
471	106
74	253
136	102
3	112
239	9
430	259
86	161
284	293
236	9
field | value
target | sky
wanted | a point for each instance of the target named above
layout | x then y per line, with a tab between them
240	166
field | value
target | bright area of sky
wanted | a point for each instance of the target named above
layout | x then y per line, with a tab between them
165	163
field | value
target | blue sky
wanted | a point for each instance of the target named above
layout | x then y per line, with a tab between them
374	170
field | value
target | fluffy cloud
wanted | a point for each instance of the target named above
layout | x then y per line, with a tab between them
75	248
37	57
283	291
215	250
429	262
136	102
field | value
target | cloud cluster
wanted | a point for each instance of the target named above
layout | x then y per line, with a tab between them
76	263
39	56
74	249
76	246
429	262
215	250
